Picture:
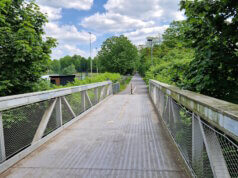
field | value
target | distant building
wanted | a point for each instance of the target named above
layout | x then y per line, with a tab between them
61	79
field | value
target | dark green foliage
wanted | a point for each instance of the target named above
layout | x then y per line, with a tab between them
213	33
118	54
72	64
69	70
171	58
24	54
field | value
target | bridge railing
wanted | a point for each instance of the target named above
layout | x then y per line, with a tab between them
29	120
116	88
204	129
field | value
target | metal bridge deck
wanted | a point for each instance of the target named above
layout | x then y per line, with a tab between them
122	137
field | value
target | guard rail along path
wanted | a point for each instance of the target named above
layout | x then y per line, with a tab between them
204	129
29	120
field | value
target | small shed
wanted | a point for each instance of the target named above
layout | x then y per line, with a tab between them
61	79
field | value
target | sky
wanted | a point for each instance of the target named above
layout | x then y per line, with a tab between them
70	22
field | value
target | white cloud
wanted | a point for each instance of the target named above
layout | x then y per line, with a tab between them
52	13
142	9
139	36
68	37
68	34
111	22
74	4
132	15
159	10
66	49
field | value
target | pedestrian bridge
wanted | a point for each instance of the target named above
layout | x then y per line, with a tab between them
88	131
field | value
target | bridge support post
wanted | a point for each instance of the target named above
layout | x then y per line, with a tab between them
96	95
197	146
155	95
2	142
108	90
102	94
83	100
214	151
58	108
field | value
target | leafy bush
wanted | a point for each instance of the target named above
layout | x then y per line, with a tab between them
171	67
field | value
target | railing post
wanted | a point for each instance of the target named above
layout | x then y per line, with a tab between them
96	95
108	90
154	95
58	108
2	142
83	100
102	93
111	90
150	88
197	146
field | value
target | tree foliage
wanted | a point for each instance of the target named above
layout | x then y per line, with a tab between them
118	54
171	58
213	33
24	53
72	64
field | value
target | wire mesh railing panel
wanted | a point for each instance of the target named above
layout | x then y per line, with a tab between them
20	125
91	95
75	101
66	113
180	126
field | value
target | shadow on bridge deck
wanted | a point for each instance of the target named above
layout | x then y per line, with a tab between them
120	138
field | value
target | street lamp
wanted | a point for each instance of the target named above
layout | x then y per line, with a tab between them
97	59
91	62
150	40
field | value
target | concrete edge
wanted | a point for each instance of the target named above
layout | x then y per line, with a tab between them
186	167
18	157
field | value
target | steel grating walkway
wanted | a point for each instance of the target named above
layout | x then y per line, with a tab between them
120	138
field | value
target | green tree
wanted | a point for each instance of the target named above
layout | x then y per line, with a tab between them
69	70
24	53
118	54
55	67
213	33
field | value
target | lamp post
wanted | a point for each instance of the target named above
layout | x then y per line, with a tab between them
150	40
97	59
91	62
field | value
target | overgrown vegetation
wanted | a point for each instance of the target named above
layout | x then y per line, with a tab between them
199	53
171	58
72	64
24	54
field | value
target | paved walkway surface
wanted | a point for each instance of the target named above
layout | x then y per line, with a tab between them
121	138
